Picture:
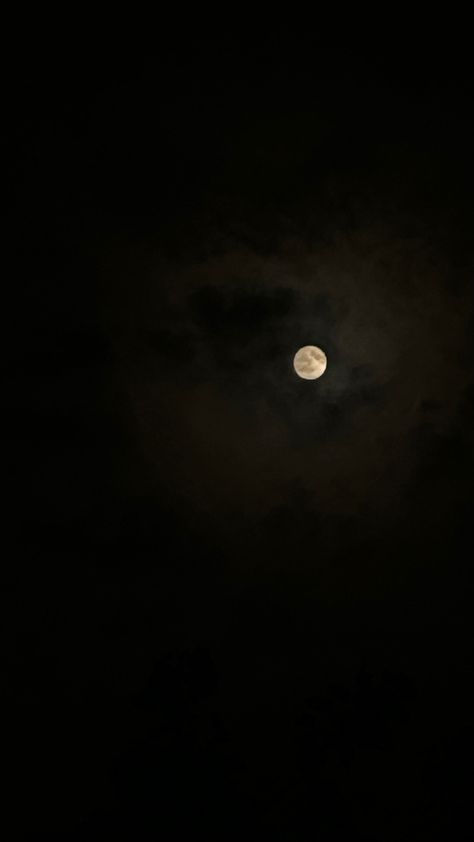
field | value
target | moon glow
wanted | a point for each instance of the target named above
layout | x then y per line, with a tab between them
310	362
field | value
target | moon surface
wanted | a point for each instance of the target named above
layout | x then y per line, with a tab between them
310	362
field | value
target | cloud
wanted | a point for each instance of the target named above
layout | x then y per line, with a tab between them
221	415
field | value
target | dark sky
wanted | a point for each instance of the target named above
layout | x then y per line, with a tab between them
237	604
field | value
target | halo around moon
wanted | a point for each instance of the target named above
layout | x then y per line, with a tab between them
310	362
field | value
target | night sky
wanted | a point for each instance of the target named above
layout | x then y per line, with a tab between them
237	604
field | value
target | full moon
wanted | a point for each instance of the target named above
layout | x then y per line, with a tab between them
310	362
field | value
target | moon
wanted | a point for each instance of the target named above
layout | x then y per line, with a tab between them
310	362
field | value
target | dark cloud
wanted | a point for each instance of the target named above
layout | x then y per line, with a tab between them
240	326
170	345
238	599
209	343
430	406
243	311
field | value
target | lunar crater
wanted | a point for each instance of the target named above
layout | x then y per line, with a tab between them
310	362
